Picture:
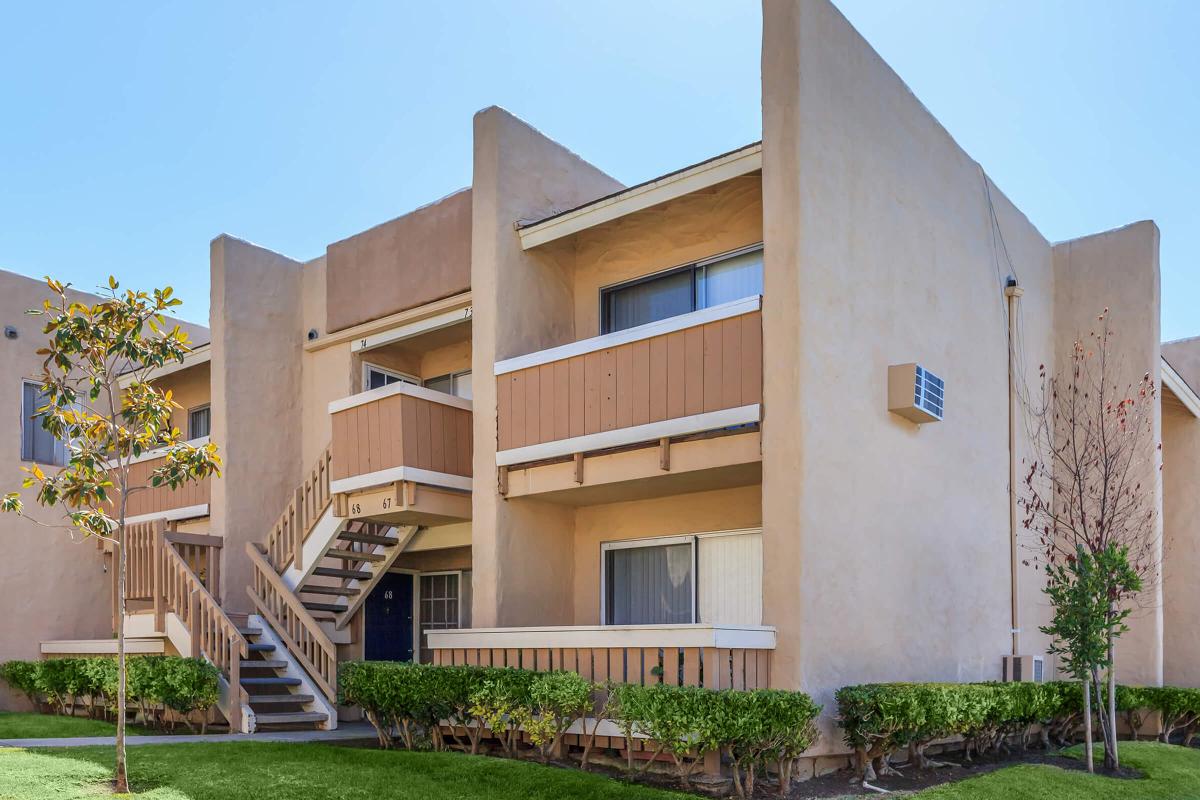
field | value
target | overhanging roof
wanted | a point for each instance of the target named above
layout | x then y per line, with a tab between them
1179	387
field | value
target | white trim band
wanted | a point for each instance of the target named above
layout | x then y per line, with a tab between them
370	396
200	354
680	426
171	514
750	637
411	329
383	477
680	322
1180	388
159	452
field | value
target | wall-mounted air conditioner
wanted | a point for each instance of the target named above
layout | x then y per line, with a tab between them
1024	668
915	393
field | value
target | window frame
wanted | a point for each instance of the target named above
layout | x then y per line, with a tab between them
694	267
58	447
418	596
453	376
403	377
202	407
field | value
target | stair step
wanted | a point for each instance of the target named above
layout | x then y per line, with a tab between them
334	572
274	681
333	608
266	663
353	555
340	591
298	716
367	538
250	631
261	647
279	699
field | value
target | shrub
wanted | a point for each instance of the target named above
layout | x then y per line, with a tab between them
54	677
1179	707
1132	702
763	727
686	722
502	702
557	699
186	685
22	676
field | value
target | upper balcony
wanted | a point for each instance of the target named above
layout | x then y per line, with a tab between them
402	454
189	501
644	402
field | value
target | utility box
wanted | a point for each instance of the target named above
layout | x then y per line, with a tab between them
915	393
1024	668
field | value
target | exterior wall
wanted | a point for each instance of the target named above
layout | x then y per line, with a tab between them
417	258
190	388
705	223
521	549
256	398
1118	270
1181	547
886	544
700	512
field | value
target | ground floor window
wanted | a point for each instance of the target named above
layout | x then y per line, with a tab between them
444	603
705	577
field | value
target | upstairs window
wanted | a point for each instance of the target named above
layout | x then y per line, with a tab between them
456	383
376	377
199	421
722	279
37	444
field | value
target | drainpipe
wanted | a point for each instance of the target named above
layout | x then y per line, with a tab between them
1013	293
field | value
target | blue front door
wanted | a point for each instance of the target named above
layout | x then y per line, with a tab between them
389	622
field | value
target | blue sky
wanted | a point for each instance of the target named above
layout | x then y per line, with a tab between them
131	134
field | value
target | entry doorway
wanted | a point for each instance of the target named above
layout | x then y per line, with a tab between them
389	618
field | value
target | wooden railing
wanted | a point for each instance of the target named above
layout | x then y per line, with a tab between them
679	655
285	541
200	552
304	638
157	499
695	364
399	426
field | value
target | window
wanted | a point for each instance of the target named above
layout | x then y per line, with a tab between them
456	383
443	596
718	280
375	377
199	421
36	442
709	577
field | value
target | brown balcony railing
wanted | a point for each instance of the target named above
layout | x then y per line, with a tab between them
682	375
156	500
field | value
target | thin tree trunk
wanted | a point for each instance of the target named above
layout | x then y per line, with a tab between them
121	782
1087	723
1112	696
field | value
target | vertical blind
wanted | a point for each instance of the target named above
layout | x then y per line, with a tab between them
649	585
37	444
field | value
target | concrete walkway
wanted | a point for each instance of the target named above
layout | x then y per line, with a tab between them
347	732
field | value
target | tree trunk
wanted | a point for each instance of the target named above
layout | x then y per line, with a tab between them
1115	756
121	780
1087	724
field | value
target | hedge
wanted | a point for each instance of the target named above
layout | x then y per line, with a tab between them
156	684
753	729
879	719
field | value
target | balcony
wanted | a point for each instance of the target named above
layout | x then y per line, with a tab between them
402	454
189	501
671	384
711	656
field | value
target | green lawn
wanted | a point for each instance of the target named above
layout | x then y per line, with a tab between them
1172	773
245	770
14	725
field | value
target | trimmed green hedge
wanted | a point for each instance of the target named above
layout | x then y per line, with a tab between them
405	703
879	719
156	684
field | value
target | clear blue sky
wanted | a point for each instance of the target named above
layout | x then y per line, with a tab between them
131	134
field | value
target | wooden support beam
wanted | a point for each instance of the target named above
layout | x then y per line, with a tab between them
410	493
579	467
502	480
664	454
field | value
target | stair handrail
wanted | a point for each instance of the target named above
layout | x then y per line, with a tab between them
213	634
287	616
285	541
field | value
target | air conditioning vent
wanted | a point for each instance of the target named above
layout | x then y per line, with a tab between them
1024	668
915	393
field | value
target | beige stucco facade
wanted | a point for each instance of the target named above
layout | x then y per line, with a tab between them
885	544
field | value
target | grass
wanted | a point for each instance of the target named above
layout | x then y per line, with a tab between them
17	725
1171	772
245	770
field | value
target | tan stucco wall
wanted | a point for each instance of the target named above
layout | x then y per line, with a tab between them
698	512
522	303
1118	270
450	558
190	388
1181	547
422	256
258	333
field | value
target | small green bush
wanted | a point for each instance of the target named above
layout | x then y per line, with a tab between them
1179	707
22	676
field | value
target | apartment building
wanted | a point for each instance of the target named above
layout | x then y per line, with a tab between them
746	424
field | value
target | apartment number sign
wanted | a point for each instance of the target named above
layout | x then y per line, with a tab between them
379	501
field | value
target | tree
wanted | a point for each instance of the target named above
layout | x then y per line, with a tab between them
1090	501
91	350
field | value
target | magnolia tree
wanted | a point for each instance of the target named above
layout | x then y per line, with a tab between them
99	402
1090	501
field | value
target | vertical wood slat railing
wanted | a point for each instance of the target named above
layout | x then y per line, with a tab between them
708	667
302	634
156	571
285	541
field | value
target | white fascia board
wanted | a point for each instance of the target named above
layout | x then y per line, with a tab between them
384	477
171	514
411	329
750	637
1179	387
680	322
101	646
432	395
194	358
681	426
643	196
